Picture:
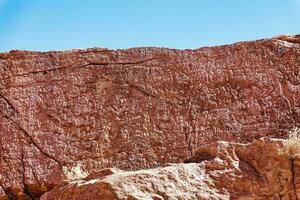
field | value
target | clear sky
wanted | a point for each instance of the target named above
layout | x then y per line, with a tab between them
65	24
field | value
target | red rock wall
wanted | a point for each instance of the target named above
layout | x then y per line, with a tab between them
137	108
232	171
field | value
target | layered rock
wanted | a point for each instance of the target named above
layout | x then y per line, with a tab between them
221	170
137	108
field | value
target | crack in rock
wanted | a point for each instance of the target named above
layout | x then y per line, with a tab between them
80	66
293	178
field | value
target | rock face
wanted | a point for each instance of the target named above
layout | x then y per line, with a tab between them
137	108
221	170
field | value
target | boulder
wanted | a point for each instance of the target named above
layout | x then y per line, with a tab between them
221	170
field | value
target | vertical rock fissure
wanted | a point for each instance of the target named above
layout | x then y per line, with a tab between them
293	177
280	197
188	141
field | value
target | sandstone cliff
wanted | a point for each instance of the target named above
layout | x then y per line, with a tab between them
221	170
138	108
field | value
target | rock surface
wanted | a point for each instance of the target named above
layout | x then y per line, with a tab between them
137	108
221	170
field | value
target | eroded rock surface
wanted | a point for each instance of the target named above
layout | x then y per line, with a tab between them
137	108
221	170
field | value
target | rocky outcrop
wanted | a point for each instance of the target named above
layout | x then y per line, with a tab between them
137	108
289	38
222	170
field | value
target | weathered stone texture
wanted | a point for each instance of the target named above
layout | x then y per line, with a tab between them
221	170
137	108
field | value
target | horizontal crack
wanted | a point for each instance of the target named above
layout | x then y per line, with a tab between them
121	63
80	66
95	51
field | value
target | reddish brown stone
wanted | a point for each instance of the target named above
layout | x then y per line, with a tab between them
3	195
232	171
137	108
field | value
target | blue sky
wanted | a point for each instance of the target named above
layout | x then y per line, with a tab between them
65	24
